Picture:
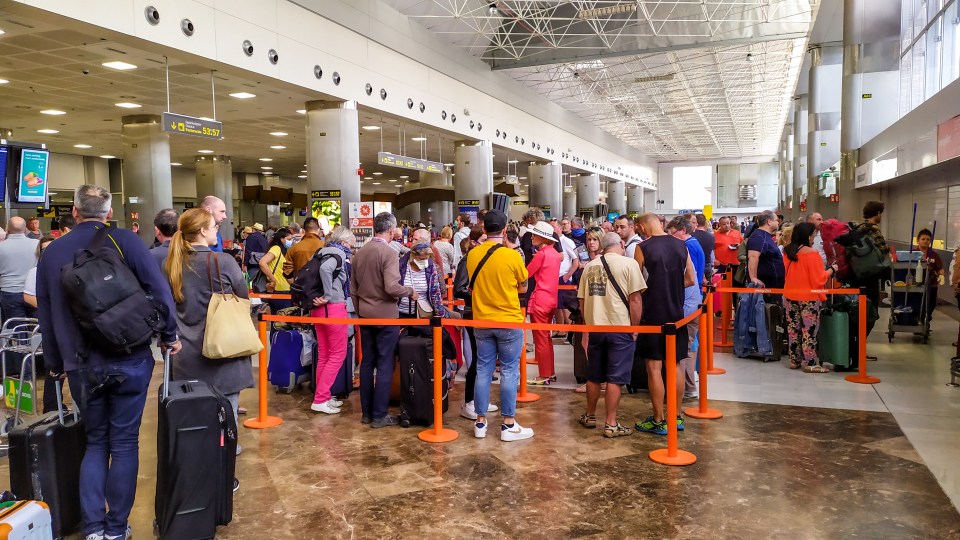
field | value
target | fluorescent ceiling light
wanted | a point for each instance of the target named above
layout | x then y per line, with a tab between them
376	183
404	177
82	146
107	156
266	159
278	147
243	95
4	81
204	151
418	139
377	173
303	172
368	178
370	128
512	161
278	133
301	111
1	32
128	105
266	168
48	131
208	119
52	112
119	65
302	176
175	164
392	180
448	164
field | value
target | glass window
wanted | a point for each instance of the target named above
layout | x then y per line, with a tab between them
951	46
918	62
692	186
905	74
933	58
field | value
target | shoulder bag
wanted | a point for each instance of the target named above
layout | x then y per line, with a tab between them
616	286
483	261
229	331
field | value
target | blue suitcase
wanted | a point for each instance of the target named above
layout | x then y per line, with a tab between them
285	370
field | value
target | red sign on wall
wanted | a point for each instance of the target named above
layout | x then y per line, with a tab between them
948	139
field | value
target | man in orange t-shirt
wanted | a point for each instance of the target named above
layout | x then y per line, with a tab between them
727	241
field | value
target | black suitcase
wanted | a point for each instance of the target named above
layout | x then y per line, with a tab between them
415	355
196	459
343	384
45	457
579	357
776	326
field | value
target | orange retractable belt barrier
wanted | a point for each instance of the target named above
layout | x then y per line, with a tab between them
566	287
438	433
270	296
710	344
726	310
522	395
706	353
861	377
262	420
672	455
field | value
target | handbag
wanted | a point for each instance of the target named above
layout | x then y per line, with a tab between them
229	332
424	309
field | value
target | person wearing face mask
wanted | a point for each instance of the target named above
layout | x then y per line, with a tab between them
191	268
419	272
271	264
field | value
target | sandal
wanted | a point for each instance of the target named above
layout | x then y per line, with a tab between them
582	389
616	431
540	381
794	365
588	421
815	369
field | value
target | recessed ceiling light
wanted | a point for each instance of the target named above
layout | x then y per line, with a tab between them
266	159
1	32
266	168
48	131
448	164
127	105
108	156
52	112
303	172
418	139
511	161
208	119
204	151
392	180
377	173
4	81
523	177
404	177
278	147
82	146
376	183
119	65
278	133
175	164
301	111
243	95
368	178
370	128
302	176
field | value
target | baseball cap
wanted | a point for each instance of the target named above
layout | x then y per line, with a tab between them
494	221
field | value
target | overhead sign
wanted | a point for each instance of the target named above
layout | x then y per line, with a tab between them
404	162
521	203
190	125
468	202
325	194
546	207
867	96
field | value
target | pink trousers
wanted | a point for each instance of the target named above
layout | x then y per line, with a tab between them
331	348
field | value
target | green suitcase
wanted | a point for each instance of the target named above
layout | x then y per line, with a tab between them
833	341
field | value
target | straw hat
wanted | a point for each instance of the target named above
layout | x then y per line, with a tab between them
543	230
258	227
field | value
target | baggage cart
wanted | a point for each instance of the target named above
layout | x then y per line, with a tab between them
910	293
20	345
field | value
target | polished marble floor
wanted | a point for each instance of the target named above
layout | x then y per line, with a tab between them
795	456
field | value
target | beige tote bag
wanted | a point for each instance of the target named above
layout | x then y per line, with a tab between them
230	332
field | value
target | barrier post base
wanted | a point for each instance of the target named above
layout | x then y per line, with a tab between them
862	379
268	422
431	435
531	360
682	458
716	371
527	397
709	414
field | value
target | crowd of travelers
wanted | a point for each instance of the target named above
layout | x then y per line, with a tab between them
632	270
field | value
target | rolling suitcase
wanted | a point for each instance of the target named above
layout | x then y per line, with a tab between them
45	458
285	370
579	357
833	340
26	520
415	355
196	459
343	384
777	328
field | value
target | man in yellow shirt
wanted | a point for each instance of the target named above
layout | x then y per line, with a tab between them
497	278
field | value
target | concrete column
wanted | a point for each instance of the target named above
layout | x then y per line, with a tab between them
588	195
546	188
616	197
570	202
215	177
800	122
333	150
634	200
823	141
440	212
147	180
474	178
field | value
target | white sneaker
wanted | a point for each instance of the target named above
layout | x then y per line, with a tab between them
516	433
492	408
691	395
480	430
324	407
335	402
467	411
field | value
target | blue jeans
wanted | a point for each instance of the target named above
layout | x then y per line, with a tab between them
12	305
111	401
379	346
505	344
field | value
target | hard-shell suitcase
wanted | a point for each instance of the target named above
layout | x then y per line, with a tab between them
833	341
776	325
45	457
343	384
26	520
285	370
579	358
196	459
415	355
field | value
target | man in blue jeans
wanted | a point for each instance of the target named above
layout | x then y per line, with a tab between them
498	278
110	389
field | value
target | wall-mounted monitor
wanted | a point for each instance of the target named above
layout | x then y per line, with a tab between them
282	195
251	193
3	170
32	176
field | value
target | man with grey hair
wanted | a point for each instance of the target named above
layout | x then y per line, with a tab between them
375	288
109	387
817	219
764	259
18	254
218	208
396	242
609	295
164	227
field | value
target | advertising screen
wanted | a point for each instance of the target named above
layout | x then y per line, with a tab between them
32	176
3	169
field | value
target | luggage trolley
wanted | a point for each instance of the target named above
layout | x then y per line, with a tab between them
19	392
910	293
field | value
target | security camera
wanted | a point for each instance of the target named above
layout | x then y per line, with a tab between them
576	74
492	10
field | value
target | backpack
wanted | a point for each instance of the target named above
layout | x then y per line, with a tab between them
307	285
830	230
114	313
863	256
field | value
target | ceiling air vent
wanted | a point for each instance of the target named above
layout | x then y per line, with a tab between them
748	193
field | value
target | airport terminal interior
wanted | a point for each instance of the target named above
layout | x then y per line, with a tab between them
430	110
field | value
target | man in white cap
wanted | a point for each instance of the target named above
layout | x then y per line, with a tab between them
542	305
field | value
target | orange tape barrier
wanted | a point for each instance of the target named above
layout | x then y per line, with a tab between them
271	296
523	396
263	420
566	287
706	360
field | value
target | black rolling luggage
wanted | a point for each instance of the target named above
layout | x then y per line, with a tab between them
579	357
196	458
343	384
45	458
776	325
416	381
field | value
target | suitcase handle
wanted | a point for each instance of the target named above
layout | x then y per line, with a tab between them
166	375
58	385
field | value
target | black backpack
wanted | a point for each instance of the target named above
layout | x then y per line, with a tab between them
307	285
114	313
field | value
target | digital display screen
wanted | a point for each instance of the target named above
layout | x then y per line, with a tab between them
3	169
32	176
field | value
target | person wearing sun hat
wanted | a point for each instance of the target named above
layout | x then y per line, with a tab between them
542	304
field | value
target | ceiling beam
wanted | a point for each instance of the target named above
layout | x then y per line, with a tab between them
562	56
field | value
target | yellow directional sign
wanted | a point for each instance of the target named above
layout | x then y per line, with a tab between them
189	125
